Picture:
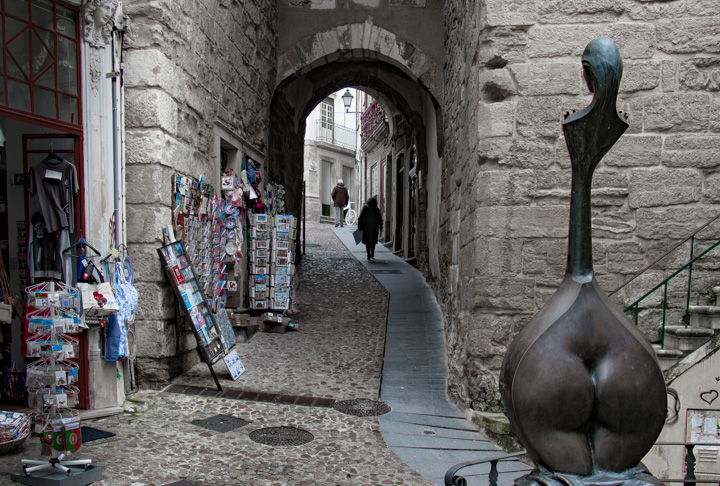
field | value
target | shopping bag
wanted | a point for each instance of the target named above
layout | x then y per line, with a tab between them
98	299
358	234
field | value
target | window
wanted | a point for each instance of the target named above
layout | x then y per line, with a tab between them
39	61
327	114
325	124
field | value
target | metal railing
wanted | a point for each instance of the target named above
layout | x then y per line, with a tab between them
336	134
453	479
690	479
373	117
635	306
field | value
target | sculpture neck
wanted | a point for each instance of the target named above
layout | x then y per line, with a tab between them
579	262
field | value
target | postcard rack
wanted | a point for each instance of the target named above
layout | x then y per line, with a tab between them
214	335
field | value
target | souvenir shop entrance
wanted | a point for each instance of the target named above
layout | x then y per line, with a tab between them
41	173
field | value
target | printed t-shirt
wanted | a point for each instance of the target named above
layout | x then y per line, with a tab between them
55	184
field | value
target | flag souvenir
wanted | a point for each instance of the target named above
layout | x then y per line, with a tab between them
73	437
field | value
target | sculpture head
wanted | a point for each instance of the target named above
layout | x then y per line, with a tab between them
602	66
98	16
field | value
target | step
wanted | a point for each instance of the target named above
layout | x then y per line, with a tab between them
705	316
686	338
667	357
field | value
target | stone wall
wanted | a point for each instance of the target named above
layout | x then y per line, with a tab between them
188	65
512	70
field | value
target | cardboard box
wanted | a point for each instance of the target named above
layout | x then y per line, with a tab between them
243	320
269	326
234	299
274	317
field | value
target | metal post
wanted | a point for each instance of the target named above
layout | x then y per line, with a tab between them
662	341
493	477
687	302
690	464
303	216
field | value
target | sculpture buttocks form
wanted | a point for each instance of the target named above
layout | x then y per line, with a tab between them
580	384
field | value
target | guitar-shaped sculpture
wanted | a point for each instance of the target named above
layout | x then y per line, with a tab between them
580	384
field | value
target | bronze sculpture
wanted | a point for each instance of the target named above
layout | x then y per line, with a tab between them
580	384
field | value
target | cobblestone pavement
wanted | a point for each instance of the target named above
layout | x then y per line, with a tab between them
336	353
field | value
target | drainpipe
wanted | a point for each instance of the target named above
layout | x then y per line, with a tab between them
115	74
116	145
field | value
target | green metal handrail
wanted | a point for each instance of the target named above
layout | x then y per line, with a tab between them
689	266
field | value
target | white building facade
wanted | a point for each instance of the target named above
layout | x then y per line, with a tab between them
330	153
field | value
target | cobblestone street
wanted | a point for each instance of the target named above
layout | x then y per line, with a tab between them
336	354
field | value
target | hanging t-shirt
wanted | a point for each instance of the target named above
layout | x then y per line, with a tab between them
45	257
55	184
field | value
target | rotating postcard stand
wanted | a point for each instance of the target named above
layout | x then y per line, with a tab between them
214	335
54	311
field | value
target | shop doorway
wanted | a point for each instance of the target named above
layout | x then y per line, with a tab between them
26	146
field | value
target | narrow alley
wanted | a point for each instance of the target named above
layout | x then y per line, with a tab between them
335	355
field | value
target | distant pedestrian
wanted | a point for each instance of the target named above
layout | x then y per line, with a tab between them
370	222
340	197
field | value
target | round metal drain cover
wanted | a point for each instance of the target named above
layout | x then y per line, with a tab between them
281	436
362	407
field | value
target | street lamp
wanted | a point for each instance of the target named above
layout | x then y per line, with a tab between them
347	100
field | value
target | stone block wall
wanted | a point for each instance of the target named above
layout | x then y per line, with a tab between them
188	65
512	70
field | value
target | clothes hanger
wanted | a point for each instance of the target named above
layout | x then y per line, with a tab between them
52	155
81	242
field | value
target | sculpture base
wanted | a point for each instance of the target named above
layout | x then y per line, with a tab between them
637	476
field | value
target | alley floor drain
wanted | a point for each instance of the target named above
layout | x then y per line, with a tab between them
385	272
362	407
281	436
221	423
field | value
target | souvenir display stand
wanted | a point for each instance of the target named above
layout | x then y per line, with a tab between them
212	330
272	263
211	229
54	311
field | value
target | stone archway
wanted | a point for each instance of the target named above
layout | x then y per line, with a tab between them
359	41
398	80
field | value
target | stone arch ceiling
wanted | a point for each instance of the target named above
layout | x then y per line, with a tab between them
359	41
386	82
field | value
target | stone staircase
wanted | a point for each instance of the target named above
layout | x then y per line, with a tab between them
683	340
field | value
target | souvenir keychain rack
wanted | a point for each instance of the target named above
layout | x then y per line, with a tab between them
55	310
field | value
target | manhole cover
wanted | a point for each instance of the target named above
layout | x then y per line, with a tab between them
281	436
340	258
362	407
221	423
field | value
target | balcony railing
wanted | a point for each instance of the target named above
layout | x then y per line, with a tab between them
371	119
336	134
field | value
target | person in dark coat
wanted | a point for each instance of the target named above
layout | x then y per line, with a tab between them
371	222
340	197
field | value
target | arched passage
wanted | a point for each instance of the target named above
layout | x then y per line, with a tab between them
400	92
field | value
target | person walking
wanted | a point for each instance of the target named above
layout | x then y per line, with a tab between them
340	197
370	222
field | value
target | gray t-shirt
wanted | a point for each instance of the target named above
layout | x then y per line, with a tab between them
55	184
